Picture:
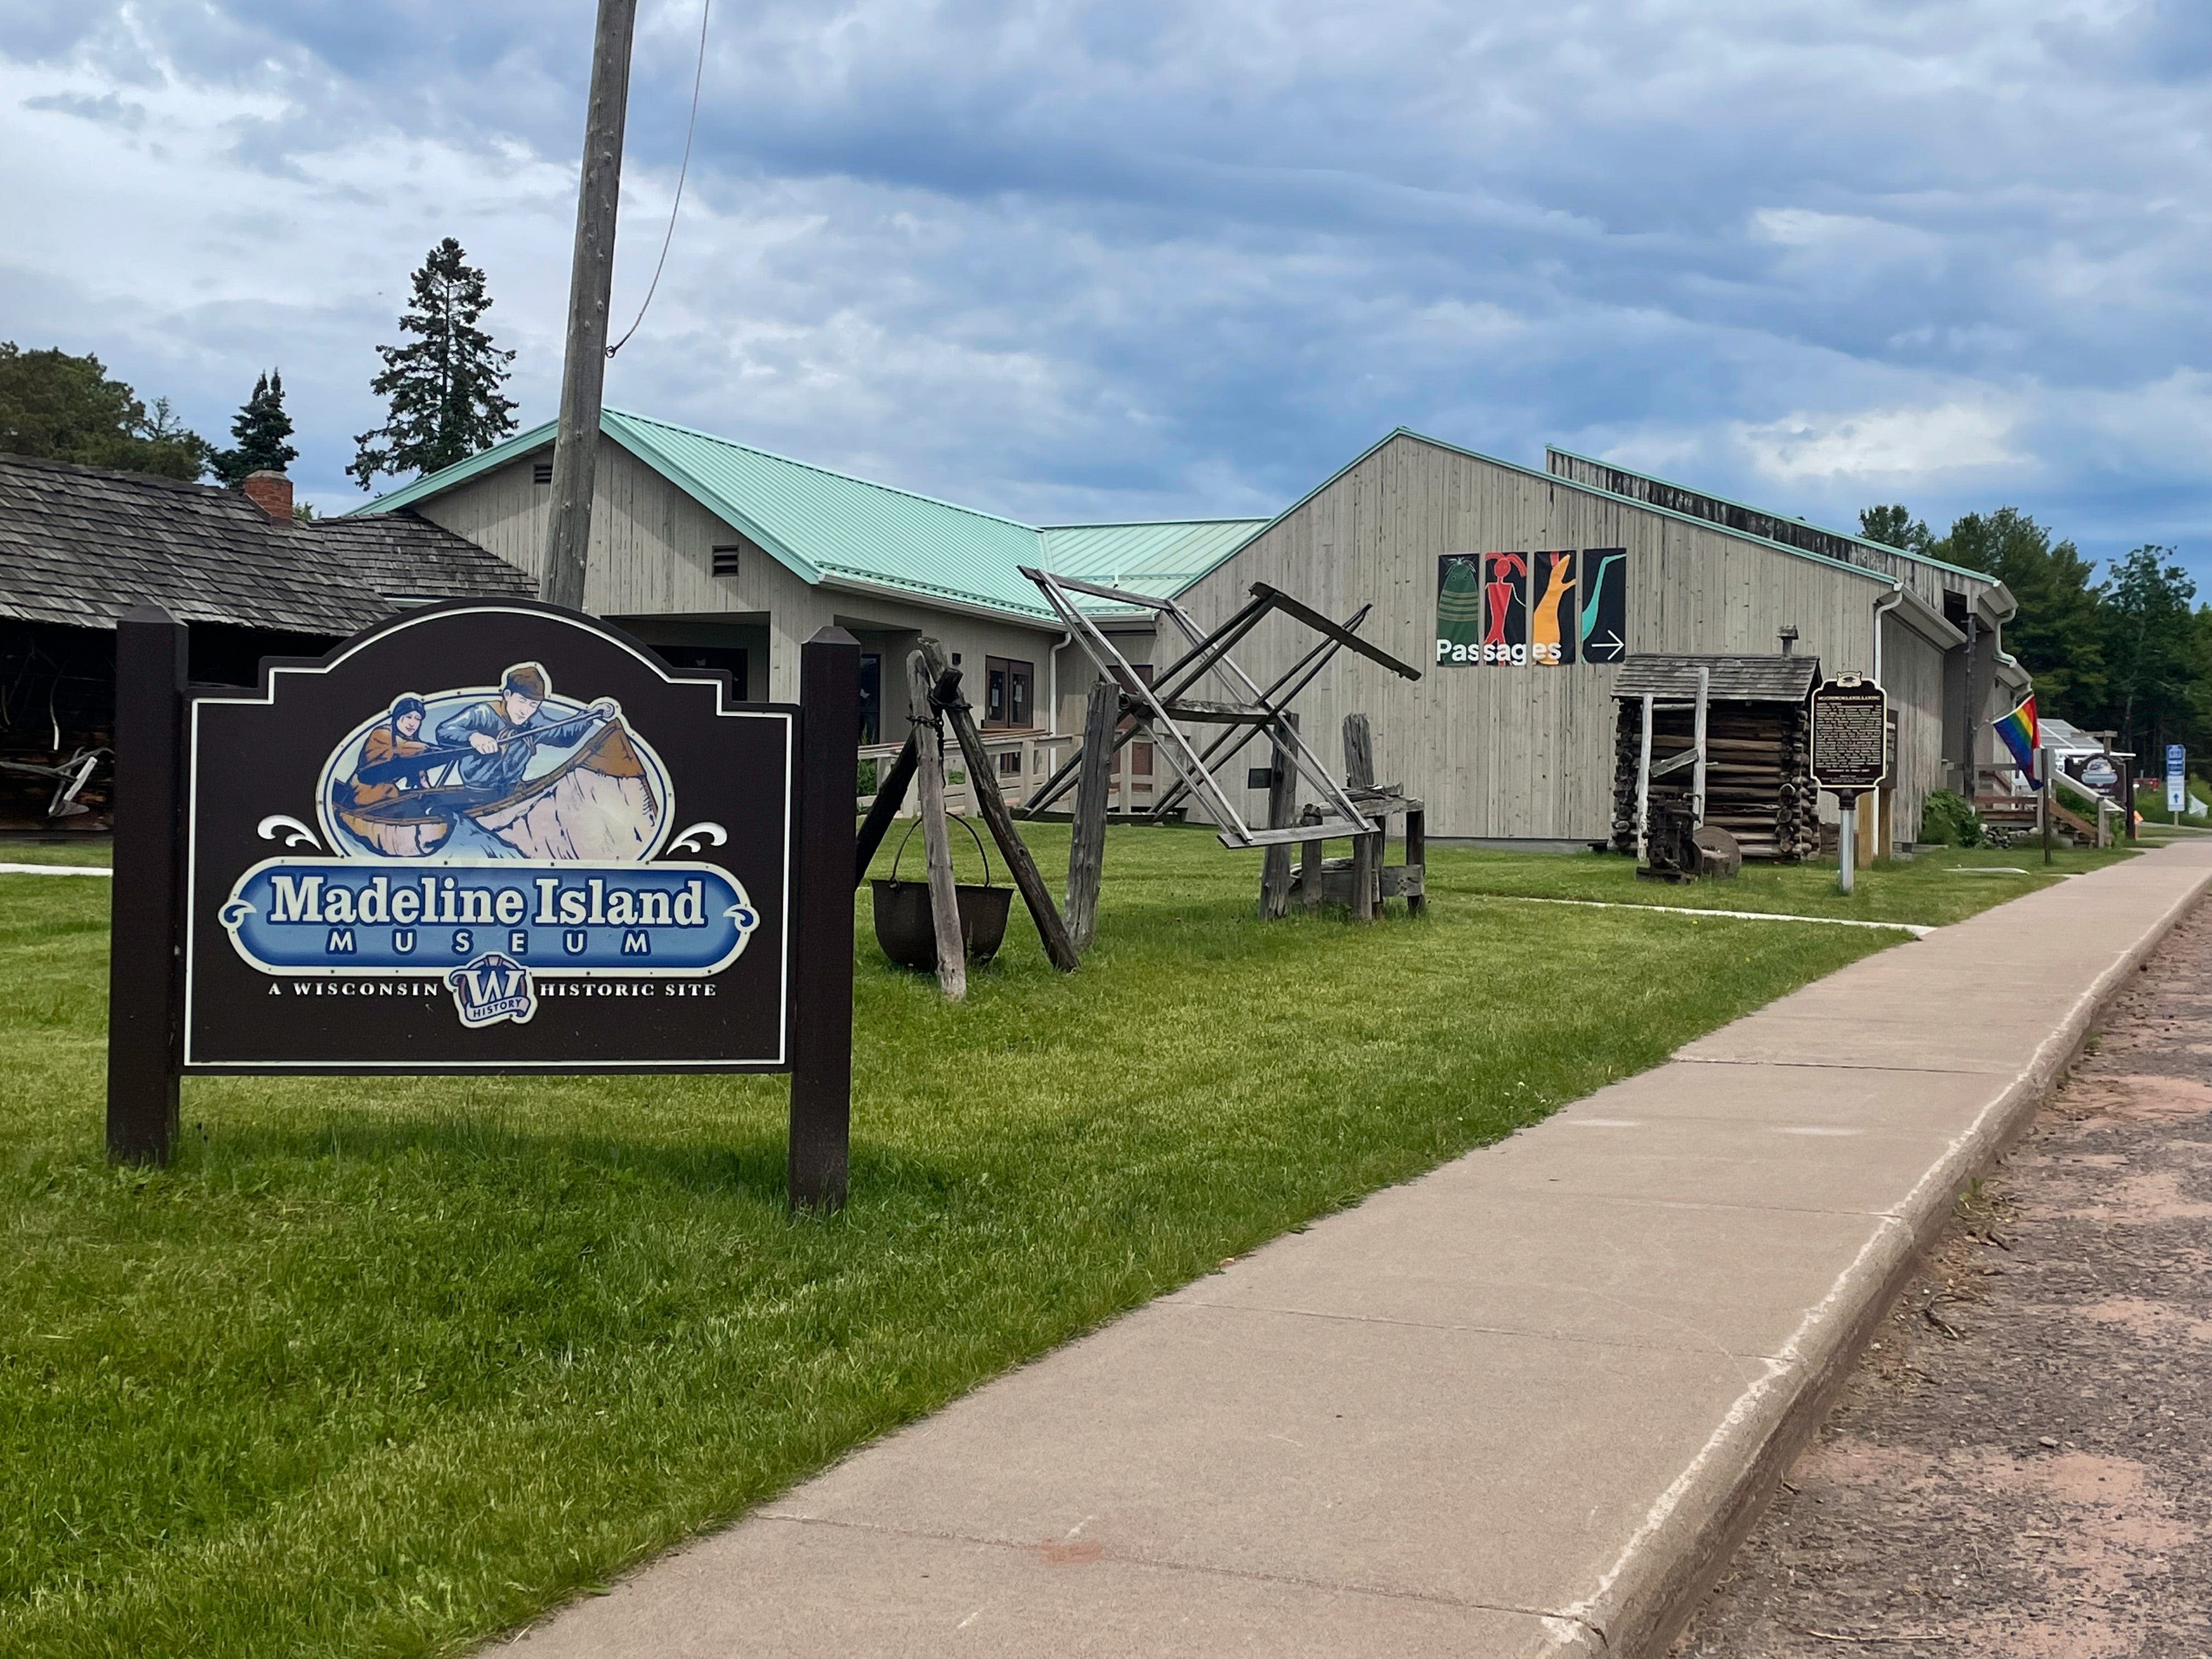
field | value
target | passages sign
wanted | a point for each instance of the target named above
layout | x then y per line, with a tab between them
1542	610
493	837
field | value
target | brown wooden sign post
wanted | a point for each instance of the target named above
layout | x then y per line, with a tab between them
483	838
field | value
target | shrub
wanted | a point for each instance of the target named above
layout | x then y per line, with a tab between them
1949	820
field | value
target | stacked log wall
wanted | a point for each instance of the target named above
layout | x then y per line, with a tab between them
1758	786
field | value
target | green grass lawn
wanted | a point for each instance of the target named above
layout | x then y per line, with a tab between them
91	850
386	1366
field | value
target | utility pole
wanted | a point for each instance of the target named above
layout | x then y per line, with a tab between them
591	280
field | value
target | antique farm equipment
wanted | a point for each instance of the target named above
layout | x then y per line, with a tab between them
907	930
936	699
1362	882
1159	710
1726	741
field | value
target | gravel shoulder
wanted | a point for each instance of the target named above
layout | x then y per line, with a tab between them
2021	1466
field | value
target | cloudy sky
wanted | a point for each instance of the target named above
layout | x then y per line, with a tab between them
1094	261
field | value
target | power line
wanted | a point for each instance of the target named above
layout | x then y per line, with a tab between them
697	76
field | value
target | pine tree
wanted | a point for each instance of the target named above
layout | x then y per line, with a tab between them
261	428
441	389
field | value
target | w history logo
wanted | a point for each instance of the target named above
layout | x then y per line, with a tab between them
491	988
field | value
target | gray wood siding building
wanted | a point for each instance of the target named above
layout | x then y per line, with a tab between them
1526	752
703	546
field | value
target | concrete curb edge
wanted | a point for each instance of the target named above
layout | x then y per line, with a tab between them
1653	1594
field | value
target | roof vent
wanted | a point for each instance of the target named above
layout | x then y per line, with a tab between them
542	473
725	558
1789	638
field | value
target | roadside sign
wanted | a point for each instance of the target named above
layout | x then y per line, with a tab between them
481	838
1850	731
485	839
2177	777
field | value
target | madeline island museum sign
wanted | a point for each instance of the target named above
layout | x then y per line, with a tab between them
482	837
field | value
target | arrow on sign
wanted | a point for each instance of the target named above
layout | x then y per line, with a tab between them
1610	647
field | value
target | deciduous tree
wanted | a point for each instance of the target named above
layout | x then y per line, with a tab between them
2058	632
67	408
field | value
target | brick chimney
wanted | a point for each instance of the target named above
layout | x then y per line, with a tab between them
271	492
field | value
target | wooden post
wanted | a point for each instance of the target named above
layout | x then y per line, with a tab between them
944	898
1698	779
1417	857
983	783
891	795
1282	814
1366	850
821	918
1086	841
145	972
1643	791
1309	854
591	285
1358	752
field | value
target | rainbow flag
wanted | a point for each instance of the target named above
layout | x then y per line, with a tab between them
2020	735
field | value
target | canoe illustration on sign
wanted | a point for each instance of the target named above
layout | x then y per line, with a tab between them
508	771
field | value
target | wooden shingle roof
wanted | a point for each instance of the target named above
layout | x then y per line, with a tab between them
80	545
405	557
1734	679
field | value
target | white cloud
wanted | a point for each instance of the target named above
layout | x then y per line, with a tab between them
1068	259
1889	446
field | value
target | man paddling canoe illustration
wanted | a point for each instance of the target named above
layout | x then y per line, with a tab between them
598	803
502	734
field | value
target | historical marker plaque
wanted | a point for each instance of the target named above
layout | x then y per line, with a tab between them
1851	735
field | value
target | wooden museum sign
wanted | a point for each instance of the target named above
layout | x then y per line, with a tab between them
484	837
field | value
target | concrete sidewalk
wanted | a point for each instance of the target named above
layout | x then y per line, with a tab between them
1521	1405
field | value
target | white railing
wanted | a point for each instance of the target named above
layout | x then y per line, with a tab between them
1023	760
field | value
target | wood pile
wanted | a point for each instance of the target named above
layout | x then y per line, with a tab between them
1757	784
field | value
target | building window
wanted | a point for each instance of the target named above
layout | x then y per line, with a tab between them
731	659
1009	763
725	558
542	473
871	696
1009	688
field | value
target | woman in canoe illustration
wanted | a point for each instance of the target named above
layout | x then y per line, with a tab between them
490	782
397	738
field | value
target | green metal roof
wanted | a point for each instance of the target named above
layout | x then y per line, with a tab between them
1158	558
828	526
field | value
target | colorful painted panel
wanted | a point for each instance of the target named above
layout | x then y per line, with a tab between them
1459	608
1602	597
1505	608
1554	619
